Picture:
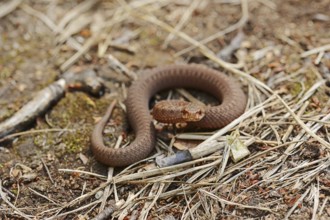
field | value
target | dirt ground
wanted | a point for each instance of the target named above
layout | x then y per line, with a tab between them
49	172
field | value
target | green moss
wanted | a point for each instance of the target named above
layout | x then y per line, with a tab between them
74	111
44	139
310	78
295	88
76	141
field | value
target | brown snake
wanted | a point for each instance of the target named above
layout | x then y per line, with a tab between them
227	91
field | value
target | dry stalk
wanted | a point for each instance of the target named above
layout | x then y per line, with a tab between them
16	210
233	203
271	122
316	50
239	24
296	204
10	6
184	19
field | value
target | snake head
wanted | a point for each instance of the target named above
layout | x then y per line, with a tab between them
178	111
193	112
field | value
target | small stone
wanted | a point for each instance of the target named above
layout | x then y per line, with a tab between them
98	195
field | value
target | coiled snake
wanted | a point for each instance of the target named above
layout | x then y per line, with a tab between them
227	91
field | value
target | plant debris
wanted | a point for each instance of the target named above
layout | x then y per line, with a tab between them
282	62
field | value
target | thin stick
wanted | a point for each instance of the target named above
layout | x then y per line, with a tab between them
208	53
315	50
233	203
23	133
47	170
8	7
296	204
239	24
185	17
83	172
4	198
43	196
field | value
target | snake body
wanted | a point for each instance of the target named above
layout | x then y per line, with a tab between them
227	91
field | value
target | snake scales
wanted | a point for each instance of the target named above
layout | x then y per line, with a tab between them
227	91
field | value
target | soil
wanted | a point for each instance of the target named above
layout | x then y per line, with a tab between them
32	56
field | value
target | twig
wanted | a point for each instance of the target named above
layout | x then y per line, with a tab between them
148	205
83	172
208	53
239	24
76	11
315	50
46	20
106	192
88	44
323	205
8	7
35	132
296	204
47	170
74	210
204	148
105	213
121	68
43	196
4	198
184	19
316	200
233	203
38	105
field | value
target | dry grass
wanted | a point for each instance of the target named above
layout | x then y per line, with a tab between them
287	170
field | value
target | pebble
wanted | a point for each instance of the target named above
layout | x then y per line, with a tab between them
99	194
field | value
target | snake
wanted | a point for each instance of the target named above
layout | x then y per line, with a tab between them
226	90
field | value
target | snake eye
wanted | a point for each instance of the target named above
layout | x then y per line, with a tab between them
200	114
